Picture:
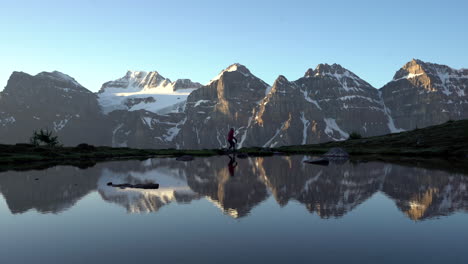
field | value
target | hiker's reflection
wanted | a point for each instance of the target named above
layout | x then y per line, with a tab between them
232	164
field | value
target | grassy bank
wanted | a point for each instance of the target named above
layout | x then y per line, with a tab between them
447	140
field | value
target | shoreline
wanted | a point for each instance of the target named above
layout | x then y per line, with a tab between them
446	141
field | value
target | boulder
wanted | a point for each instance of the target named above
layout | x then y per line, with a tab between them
135	186
86	147
242	155
185	158
323	161
337	153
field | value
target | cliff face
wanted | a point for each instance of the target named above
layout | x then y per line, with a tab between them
227	101
423	94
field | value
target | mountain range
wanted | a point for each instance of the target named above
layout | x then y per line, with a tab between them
147	110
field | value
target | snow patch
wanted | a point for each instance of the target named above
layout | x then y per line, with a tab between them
343	78
113	99
114	144
59	125
390	121
148	121
308	99
173	131
408	76
332	127
268	89
8	120
306	124
199	102
349	97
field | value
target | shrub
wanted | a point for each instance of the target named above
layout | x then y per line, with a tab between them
83	147
355	135
44	137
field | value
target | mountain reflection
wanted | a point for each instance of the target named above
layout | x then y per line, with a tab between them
236	186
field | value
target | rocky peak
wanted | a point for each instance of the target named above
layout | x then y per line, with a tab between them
138	80
411	69
344	78
20	81
324	69
280	80
283	86
59	77
236	67
433	77
417	67
185	84
423	93
309	73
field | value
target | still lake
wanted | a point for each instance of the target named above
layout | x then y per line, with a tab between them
264	210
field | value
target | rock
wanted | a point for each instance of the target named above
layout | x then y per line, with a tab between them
337	152
84	146
337	160
242	155
130	102
322	161
25	145
135	186
185	158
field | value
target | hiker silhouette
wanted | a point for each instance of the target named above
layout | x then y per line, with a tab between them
232	140
232	165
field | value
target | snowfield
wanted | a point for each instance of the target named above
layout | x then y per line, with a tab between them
164	101
143	91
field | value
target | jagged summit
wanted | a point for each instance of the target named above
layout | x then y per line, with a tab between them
185	84
325	69
136	81
280	80
345	78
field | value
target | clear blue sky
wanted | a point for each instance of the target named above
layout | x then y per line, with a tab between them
98	41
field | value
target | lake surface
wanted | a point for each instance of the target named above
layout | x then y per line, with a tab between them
264	210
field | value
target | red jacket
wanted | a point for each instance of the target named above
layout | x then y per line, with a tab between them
230	135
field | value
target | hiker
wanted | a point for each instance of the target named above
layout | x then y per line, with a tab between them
232	139
232	164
